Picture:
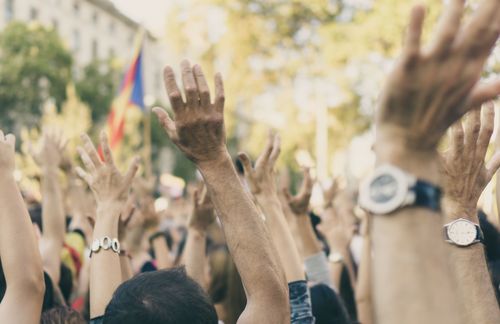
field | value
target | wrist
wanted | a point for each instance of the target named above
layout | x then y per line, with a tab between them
421	163
455	209
220	161
197	232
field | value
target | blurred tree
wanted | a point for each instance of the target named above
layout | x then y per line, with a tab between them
34	67
97	87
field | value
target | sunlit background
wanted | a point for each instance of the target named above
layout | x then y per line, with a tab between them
311	70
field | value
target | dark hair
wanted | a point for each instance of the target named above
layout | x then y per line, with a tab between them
327	306
491	237
347	293
160	297
66	282
61	315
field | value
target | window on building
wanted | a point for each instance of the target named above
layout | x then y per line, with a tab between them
9	10
76	40
95	49
33	13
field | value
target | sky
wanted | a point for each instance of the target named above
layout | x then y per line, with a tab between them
151	13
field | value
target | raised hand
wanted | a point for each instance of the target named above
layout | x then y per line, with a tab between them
465	172
432	88
329	193
198	127
106	182
50	149
203	214
261	178
299	204
7	153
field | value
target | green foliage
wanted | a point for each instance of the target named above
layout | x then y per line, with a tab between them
97	87
34	66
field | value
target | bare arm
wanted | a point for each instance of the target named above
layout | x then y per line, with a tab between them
466	175
163	258
263	186
110	190
194	255
21	262
199	132
427	91
48	157
364	301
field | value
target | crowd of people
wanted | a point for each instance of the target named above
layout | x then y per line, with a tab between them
419	250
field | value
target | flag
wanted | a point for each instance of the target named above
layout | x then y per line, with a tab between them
130	95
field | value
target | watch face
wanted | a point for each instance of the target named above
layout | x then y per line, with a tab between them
462	232
383	188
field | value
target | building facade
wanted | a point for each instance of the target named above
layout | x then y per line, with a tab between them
92	30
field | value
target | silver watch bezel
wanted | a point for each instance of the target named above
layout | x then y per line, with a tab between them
402	197
450	240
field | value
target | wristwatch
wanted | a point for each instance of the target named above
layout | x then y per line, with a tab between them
335	257
462	232
105	243
390	188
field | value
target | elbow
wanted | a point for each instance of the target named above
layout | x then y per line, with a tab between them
32	285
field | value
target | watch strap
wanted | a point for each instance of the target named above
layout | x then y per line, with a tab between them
479	234
427	195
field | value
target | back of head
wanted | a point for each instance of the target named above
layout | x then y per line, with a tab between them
160	297
61	315
327	306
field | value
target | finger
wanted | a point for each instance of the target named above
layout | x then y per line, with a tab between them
90	149
286	194
132	170
411	50
173	92
486	131
166	122
202	85
219	93
196	197
106	151
91	221
84	175
192	97
89	165
246	163
448	28
493	165
457	138
10	139
472	128
264	156
307	183
481	34
483	92
275	153
205	197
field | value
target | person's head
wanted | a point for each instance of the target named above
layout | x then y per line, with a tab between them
327	306
491	237
160	297
61	315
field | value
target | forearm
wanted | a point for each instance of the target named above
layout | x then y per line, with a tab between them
282	237
471	271
105	271
364	303
20	258
194	256
307	236
162	253
411	258
126	268
248	240
53	221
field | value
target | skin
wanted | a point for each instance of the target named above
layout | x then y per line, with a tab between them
48	156
262	182
110	189
21	262
364	302
198	131
466	174
428	90
202	217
